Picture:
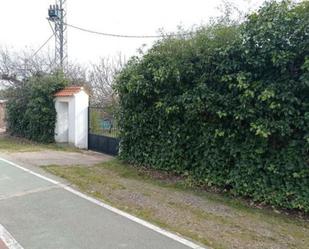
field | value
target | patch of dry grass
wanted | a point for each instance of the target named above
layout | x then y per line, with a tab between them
211	219
14	144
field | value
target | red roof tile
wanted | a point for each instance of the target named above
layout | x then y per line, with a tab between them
68	91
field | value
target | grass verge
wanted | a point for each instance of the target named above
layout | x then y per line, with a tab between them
214	220
14	144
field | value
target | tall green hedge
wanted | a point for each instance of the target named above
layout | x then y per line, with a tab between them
228	107
30	108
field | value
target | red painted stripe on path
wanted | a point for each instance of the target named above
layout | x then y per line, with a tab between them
2	245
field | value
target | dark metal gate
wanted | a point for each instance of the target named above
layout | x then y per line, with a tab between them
103	131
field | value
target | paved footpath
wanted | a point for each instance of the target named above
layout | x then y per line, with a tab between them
39	213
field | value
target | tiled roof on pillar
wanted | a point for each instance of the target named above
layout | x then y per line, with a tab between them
69	91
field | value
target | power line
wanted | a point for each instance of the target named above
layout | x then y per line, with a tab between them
35	53
43	45
120	35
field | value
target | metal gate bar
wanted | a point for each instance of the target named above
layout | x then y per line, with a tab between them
103	131
104	144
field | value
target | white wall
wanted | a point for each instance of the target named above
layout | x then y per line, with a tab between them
72	120
72	107
62	124
81	120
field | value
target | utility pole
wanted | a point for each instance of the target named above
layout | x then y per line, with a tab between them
57	14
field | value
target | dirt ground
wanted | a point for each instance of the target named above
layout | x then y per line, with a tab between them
216	221
219	222
51	157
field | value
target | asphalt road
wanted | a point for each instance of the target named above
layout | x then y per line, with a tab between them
43	214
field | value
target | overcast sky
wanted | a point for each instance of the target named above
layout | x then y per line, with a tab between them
23	23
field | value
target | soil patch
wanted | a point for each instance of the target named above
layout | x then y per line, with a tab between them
212	219
63	158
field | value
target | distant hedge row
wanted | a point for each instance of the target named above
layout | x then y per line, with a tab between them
30	109
227	107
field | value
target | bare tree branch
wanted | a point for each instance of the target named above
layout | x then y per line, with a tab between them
15	67
101	78
98	79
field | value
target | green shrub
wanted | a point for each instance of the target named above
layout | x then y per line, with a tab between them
229	106
30	108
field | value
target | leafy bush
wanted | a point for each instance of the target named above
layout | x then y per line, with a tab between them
228	107
30	109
